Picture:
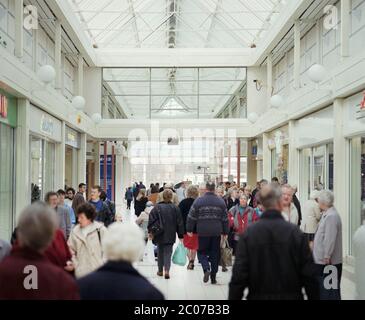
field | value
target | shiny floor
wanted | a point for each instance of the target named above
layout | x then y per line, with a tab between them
188	284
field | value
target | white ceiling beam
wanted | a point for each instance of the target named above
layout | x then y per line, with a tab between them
171	58
134	23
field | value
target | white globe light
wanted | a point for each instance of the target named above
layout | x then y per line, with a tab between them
96	117
317	73
78	102
47	73
276	101
253	117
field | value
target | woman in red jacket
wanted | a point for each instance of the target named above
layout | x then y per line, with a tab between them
240	217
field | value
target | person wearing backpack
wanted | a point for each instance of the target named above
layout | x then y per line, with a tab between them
240	217
165	221
86	240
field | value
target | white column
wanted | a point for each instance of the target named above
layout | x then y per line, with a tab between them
60	161
269	79
19	33
58	55
81	170
345	27
22	180
297	54
340	171
293	170
119	166
266	157
97	162
80	76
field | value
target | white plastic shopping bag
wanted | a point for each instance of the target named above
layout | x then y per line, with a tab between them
149	253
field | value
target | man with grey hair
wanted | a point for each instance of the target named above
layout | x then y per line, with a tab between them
273	259
327	247
27	274
175	199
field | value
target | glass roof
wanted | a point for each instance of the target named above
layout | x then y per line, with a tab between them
176	23
184	93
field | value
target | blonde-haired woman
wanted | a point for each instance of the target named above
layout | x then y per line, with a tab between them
191	243
140	203
311	216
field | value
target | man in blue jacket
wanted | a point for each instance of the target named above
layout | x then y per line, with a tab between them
208	218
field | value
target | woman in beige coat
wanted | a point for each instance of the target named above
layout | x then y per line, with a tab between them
311	216
85	241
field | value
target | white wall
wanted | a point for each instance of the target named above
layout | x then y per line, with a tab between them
256	100
93	90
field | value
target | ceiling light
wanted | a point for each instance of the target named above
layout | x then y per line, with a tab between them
253	117
96	117
47	73
78	102
276	101
317	73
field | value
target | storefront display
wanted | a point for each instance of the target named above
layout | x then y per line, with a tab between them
316	169
8	115
278	143
72	147
45	134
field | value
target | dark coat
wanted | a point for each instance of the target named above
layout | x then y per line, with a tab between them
140	205
53	282
171	220
208	216
274	261
299	209
230	203
104	215
184	207
117	281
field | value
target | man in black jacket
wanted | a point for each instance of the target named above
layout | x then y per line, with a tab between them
297	205
208	218
273	258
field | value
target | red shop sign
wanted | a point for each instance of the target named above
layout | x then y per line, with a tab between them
3	106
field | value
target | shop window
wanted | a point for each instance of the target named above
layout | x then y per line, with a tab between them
357	185
279	163
6	180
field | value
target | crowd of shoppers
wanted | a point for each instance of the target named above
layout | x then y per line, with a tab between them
80	246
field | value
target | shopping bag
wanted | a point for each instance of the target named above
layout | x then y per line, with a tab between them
226	254
149	253
179	256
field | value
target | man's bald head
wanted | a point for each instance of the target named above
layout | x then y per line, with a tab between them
270	197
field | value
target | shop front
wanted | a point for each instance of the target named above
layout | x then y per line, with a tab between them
8	122
314	139
355	133
45	137
278	144
72	150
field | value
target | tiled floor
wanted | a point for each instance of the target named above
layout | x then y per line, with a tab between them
188	285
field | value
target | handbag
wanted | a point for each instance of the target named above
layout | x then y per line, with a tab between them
179	256
226	254
156	228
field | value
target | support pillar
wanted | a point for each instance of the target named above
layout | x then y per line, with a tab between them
293	167
297	54
19	32
345	28
58	55
266	157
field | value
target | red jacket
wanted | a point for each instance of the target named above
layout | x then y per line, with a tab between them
58	251
52	282
239	223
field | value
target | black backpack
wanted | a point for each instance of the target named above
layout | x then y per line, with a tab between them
156	227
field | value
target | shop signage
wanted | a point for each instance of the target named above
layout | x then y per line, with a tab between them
47	126
3	106
72	137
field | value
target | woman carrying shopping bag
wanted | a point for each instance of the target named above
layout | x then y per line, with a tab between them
164	223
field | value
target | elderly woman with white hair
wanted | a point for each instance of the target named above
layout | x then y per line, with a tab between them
311	217
118	279
290	212
327	247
